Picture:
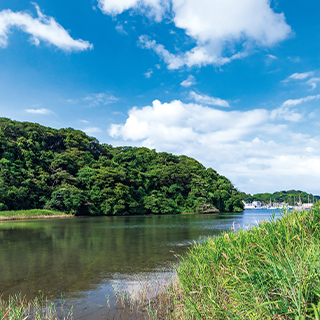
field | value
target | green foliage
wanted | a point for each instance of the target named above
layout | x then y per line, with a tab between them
67	170
270	271
291	197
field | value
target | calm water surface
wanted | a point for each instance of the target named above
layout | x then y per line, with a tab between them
85	258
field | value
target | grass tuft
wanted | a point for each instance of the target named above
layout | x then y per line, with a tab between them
18	308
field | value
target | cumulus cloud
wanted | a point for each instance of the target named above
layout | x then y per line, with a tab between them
190	81
207	100
295	102
42	28
253	148
215	26
100	99
39	111
177	121
153	8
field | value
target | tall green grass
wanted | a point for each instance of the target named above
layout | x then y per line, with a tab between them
271	271
18	308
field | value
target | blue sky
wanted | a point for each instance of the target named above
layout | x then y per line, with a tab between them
234	84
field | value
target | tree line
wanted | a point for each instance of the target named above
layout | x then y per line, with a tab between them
66	170
291	197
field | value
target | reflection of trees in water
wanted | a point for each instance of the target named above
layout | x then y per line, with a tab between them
69	256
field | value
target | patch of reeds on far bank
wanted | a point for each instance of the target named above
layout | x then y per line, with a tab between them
270	271
31	214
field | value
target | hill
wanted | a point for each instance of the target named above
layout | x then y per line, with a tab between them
66	170
280	196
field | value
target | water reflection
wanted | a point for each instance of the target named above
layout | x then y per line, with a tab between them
84	258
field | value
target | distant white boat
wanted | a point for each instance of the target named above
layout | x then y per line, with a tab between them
249	206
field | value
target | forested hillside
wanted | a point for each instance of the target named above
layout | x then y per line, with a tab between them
67	170
290	197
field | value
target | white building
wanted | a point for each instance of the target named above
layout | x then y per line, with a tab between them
307	205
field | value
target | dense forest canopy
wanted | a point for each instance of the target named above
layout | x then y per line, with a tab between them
291	197
67	170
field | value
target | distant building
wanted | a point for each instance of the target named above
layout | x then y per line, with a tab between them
307	205
248	205
257	204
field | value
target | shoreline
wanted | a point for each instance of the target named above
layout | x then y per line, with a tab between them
17	218
66	216
2	218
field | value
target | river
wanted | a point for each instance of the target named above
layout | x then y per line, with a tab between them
85	259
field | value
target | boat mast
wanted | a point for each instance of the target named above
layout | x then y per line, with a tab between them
299	200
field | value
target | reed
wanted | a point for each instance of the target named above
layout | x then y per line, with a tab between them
18	308
151	300
271	271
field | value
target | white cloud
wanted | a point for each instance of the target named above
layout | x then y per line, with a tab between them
179	122
207	100
313	82
42	28
92	130
295	102
286	114
148	74
100	99
299	76
250	147
153	8
174	62
215	26
39	111
272	57
120	29
190	81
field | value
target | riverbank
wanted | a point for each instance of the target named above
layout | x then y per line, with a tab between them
216	265
270	271
32	214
